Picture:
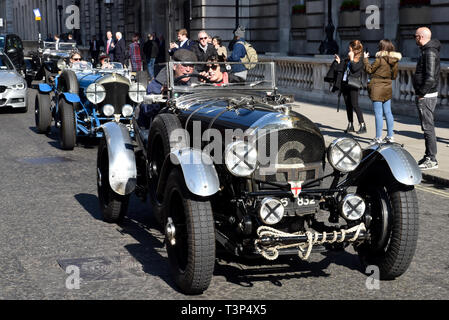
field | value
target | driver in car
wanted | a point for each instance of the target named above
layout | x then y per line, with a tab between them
180	71
146	112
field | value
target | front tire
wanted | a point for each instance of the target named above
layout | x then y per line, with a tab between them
113	206
42	115
394	229
192	257
67	130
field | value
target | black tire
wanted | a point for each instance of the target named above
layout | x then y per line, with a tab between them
394	229
158	149
192	258
67	130
68	82
113	206
42	113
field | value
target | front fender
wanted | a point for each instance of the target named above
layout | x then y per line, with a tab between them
71	97
402	165
122	162
200	175
44	88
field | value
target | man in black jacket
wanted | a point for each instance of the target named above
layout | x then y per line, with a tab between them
425	83
119	49
203	50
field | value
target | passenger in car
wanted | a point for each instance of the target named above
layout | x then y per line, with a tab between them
215	72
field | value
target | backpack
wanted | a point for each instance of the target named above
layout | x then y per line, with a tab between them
251	55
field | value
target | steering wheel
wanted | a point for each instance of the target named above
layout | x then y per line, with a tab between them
192	75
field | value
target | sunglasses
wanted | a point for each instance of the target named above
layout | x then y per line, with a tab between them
204	38
76	59
213	67
187	65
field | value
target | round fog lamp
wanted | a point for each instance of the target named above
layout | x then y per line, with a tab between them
108	110
127	110
271	211
345	154
352	207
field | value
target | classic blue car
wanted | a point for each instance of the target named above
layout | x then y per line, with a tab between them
83	98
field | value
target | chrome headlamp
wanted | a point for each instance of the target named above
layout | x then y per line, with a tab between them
345	154
95	93
137	92
127	110
61	64
241	158
108	110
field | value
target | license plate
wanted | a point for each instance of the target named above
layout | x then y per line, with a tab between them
305	201
301	202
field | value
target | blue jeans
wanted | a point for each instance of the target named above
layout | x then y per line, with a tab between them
379	110
151	68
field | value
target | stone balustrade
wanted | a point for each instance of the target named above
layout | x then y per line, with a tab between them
303	76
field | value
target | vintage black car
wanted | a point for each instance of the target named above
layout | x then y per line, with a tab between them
12	45
203	164
44	62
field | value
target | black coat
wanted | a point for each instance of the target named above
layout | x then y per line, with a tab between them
201	55
336	72
150	49
427	74
120	51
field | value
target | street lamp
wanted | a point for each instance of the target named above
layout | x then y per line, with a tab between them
329	45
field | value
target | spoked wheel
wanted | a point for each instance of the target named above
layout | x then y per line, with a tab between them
67	129
42	113
394	229
113	206
190	236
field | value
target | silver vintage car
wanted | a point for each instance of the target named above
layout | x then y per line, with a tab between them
13	87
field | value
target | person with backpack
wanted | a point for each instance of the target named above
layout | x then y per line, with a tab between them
383	70
242	52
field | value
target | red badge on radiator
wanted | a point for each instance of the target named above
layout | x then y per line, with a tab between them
296	187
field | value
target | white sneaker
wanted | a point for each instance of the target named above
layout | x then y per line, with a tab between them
389	140
376	141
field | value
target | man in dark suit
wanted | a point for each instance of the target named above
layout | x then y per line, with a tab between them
182	43
108	47
119	49
203	50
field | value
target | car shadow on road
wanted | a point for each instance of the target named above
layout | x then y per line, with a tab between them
245	273
90	204
85	142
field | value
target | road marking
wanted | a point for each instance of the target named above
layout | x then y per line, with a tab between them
434	191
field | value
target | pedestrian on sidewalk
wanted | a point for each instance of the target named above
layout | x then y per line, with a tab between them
352	65
425	83
383	70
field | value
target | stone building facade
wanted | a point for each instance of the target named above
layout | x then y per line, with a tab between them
271	26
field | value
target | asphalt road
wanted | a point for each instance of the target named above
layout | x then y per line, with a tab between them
50	219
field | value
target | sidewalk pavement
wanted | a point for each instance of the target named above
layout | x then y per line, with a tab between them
407	132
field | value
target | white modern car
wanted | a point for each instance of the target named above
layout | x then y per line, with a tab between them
13	87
